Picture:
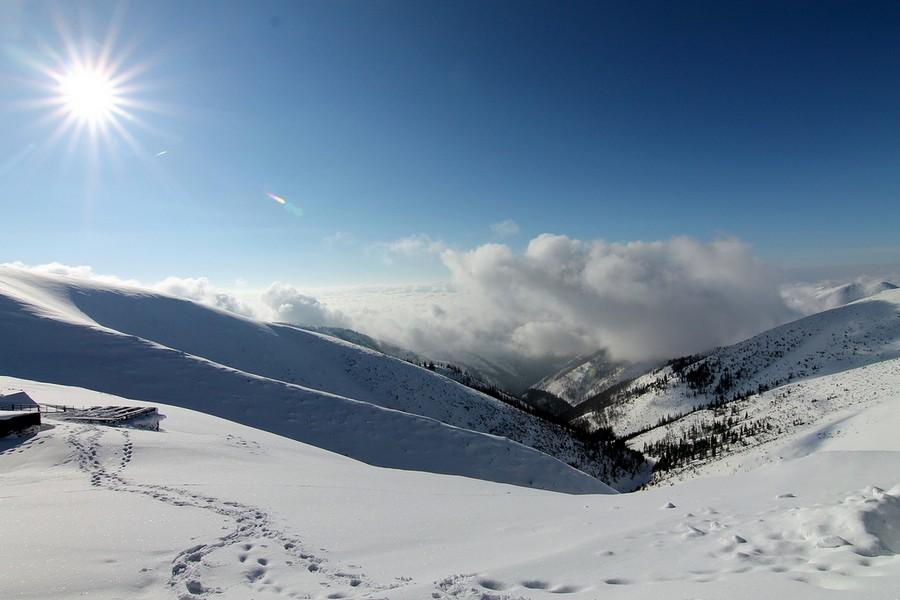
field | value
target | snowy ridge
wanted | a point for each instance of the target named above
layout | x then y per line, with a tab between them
858	334
283	379
814	298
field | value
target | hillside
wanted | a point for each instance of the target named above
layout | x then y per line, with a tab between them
721	412
854	335
209	508
280	378
586	377
814	298
855	409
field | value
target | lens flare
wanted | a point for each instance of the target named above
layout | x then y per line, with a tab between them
294	210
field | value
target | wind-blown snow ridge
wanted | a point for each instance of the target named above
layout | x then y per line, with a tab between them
303	385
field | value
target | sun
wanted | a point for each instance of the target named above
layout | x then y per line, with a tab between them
91	92
89	95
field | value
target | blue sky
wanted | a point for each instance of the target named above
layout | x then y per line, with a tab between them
775	122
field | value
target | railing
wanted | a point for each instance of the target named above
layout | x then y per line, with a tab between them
44	408
86	414
53	408
20	407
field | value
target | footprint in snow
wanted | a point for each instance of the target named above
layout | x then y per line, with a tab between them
492	584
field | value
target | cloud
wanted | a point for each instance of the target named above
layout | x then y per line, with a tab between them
517	315
201	290
288	304
279	302
505	228
522	312
415	245
639	299
418	245
74	271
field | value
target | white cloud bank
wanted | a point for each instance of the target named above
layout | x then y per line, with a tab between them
564	296
521	312
200	289
292	306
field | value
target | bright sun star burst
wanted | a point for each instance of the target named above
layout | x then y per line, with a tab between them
88	95
92	89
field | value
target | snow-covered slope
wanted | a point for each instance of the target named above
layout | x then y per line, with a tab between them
812	298
851	292
854	409
586	377
209	509
854	335
280	378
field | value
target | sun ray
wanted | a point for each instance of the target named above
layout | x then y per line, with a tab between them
94	99
89	88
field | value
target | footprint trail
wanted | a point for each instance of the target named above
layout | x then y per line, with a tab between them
254	555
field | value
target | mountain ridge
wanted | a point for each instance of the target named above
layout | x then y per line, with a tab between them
66	332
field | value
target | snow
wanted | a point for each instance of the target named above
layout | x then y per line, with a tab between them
283	379
851	410
208	508
858	334
589	376
812	298
275	501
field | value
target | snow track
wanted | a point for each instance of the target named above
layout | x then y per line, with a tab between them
103	453
214	510
255	555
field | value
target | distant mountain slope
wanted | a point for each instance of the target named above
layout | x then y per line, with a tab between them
735	408
588	376
457	373
815	298
851	292
854	335
366	341
855	409
584	378
279	378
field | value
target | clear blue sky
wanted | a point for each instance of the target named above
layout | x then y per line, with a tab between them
775	122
